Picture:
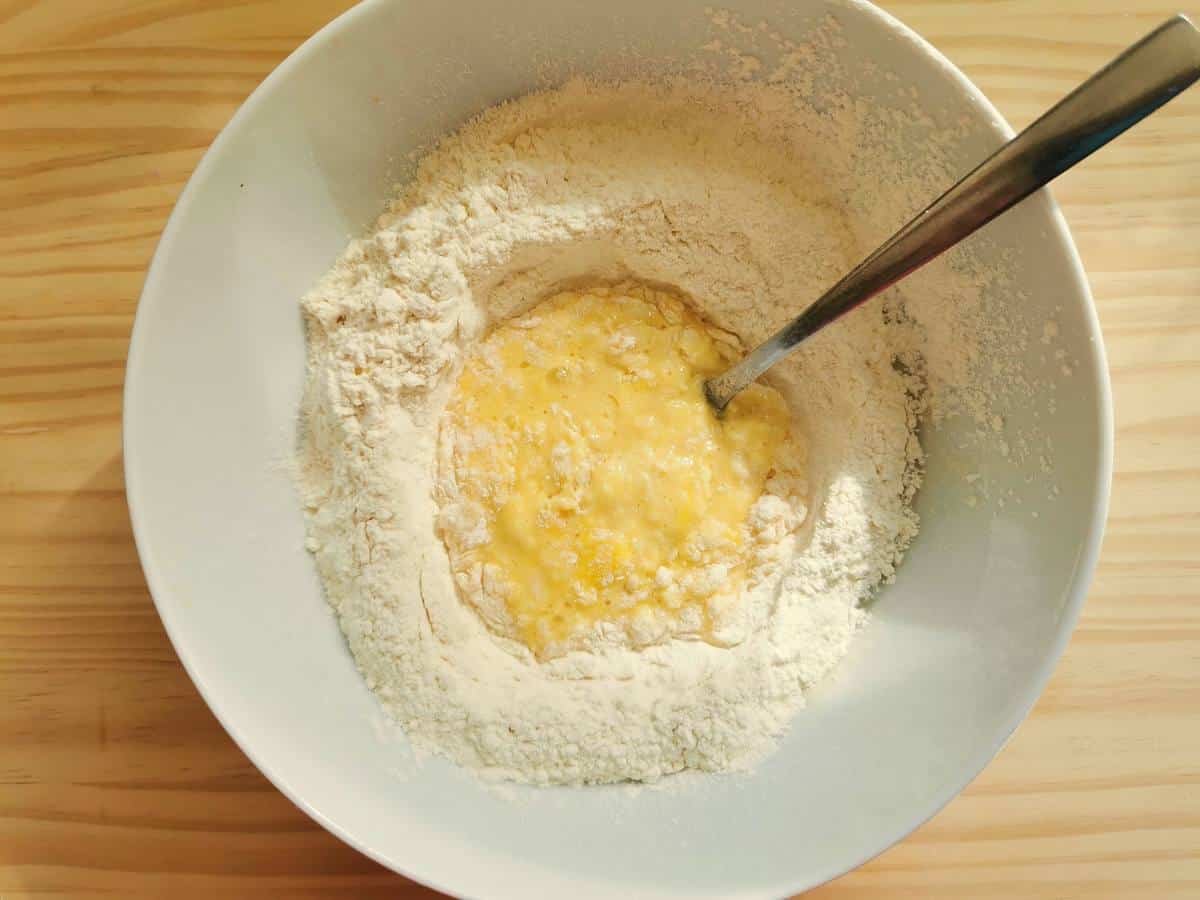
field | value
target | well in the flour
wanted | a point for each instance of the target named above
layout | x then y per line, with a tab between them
588	491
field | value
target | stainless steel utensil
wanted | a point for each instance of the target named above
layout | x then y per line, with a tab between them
1124	92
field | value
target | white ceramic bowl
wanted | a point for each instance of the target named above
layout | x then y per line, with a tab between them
958	648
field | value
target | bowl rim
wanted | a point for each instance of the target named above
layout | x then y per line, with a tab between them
1081	580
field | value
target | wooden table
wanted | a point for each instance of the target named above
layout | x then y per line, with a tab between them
114	776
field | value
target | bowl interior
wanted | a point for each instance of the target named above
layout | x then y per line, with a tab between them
958	649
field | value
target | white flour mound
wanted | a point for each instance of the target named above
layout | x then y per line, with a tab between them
676	185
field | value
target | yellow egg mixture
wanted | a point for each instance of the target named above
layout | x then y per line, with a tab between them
601	486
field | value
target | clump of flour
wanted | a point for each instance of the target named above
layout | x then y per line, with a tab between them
747	187
661	183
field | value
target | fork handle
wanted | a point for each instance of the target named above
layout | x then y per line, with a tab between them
1124	92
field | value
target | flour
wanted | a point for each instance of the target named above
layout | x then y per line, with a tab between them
717	193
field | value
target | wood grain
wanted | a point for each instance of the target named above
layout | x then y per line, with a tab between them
115	778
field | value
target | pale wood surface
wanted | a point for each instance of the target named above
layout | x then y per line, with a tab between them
115	778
